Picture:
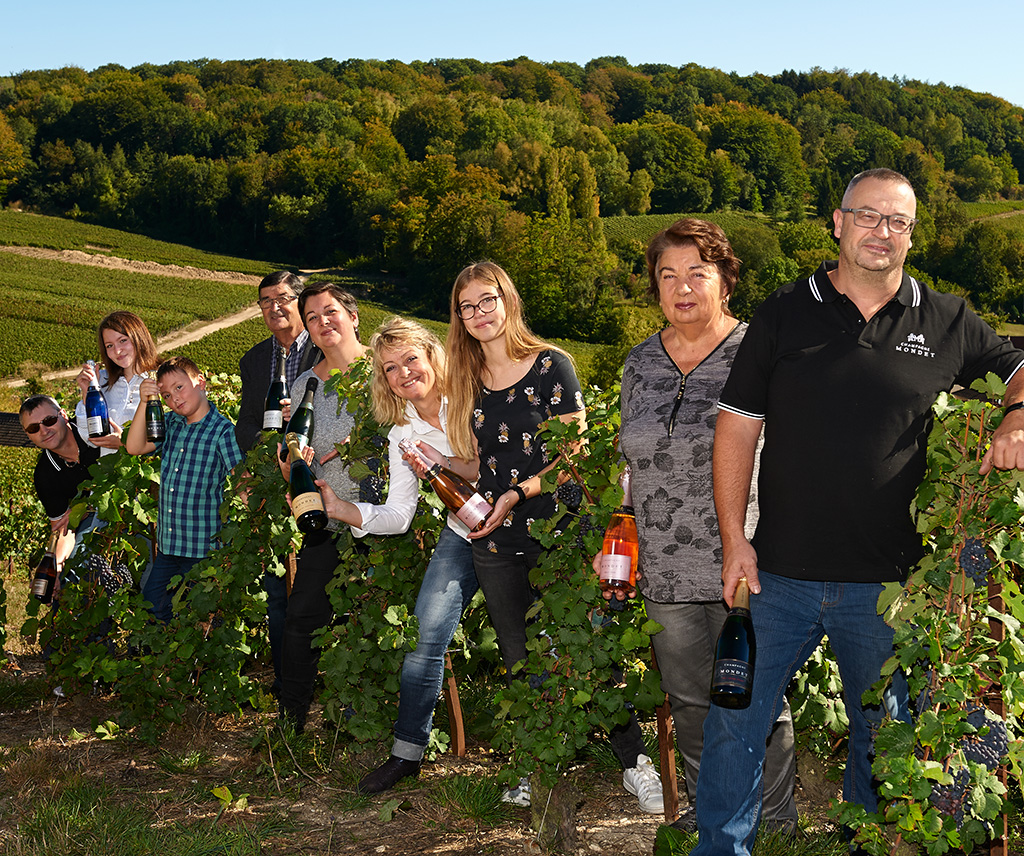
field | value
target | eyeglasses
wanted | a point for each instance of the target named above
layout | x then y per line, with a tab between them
465	311
48	421
284	301
868	219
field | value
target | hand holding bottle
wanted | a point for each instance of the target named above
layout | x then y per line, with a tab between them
415	459
111	440
618	594
86	376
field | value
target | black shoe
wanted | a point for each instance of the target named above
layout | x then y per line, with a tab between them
687	821
387	775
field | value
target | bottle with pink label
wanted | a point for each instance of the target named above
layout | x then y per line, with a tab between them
453	490
621	545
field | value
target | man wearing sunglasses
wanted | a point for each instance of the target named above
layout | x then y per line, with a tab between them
62	466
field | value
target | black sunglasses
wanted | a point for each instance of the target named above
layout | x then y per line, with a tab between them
48	421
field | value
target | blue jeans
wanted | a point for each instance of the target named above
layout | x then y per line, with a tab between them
790	618
165	568
448	586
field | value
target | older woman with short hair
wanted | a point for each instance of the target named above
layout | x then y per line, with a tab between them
670	388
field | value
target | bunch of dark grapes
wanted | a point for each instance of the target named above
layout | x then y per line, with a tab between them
974	560
989	748
378	441
371	489
570	494
952	798
585	526
374	465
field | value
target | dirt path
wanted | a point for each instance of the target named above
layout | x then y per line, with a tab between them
170	341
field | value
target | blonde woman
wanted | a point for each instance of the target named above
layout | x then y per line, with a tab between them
504	383
408	392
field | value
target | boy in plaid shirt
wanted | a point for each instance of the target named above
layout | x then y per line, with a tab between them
196	455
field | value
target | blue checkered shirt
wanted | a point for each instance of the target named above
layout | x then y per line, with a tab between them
195	461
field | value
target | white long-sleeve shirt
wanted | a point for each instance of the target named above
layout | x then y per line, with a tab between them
122	401
398	510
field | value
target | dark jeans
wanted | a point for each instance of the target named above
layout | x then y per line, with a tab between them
165	568
309	609
277	606
505	582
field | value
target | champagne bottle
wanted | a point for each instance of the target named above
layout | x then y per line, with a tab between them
621	546
301	424
733	675
273	418
96	406
155	430
46	574
307	504
453	490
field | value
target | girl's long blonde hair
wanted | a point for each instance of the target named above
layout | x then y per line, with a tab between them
466	356
388	408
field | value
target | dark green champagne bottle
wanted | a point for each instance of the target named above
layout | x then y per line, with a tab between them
46	574
733	675
307	504
273	418
301	424
155	429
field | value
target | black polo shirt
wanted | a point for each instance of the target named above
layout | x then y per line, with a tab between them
846	405
57	481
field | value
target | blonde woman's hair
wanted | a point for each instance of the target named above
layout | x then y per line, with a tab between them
466	356
388	408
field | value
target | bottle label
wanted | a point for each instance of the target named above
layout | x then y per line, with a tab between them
733	674
39	585
95	425
615	567
273	420
307	502
474	511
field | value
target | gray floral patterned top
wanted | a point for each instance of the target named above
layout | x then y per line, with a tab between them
680	548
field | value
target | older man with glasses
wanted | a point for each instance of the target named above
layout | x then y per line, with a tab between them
279	301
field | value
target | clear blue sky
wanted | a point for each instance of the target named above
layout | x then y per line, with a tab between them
976	45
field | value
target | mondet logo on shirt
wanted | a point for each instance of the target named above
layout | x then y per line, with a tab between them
915	345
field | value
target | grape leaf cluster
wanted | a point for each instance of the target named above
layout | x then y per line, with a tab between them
987	749
586	526
974	560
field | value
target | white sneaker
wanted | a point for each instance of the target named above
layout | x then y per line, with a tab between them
644	783
519	795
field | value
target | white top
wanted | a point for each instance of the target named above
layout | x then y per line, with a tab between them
122	402
398	510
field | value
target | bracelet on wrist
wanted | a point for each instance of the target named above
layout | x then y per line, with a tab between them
518	491
1010	408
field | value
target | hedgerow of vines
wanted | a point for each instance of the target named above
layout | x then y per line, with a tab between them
958	640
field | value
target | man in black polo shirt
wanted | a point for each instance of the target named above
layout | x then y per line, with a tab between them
841	369
62	466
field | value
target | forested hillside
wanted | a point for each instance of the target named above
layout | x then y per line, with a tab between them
419	168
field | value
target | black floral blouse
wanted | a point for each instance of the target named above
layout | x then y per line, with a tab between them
673	496
506	423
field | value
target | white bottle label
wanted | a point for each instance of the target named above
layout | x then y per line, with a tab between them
307	502
273	420
95	424
474	511
615	567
